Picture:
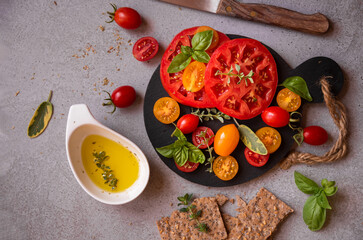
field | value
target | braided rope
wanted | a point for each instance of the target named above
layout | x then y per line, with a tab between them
338	113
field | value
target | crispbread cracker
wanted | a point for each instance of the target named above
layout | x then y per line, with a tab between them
241	204
183	228
221	199
164	228
262	215
229	222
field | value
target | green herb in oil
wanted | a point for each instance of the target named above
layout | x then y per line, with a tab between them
107	172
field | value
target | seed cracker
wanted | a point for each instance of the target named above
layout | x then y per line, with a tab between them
262	215
241	204
164	228
221	199
229	222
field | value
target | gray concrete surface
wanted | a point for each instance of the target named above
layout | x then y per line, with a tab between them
39	196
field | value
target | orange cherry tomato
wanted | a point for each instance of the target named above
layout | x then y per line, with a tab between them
193	76
166	110
270	137
225	167
288	100
215	39
226	140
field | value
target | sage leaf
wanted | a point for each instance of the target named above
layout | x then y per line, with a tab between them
178	63
298	85
250	139
313	214
323	200
305	184
167	151
201	56
186	50
202	40
41	118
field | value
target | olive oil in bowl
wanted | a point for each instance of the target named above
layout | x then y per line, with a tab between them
110	166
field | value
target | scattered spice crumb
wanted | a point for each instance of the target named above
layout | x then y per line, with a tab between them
41	152
81	94
231	200
33	77
62	114
129	41
118	69
105	118
85	67
102	28
95	89
180	8
111	84
17	93
130	223
171	204
105	81
13	127
55	3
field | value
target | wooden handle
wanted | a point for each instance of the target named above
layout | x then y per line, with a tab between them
316	23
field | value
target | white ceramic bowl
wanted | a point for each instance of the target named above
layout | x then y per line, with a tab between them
81	124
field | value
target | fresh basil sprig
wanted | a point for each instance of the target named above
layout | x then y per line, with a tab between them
297	85
314	212
200	42
182	150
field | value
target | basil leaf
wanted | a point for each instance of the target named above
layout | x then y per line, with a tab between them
178	63
177	133
201	56
322	200
330	191
186	50
298	85
313	214
180	155
305	184
202	40
327	184
41	118
167	151
195	154
250	139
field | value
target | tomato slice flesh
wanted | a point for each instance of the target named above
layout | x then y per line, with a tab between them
193	76
270	137
145	48
288	100
166	110
188	166
199	141
239	96
172	82
255	159
225	167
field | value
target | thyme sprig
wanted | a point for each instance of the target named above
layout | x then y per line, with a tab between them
241	76
193	213
205	141
210	114
107	172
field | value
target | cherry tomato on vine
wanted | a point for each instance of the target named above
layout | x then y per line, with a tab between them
199	134
315	135
121	97
166	110
275	116
226	140
288	100
125	17
255	159
225	167
187	167
270	137
145	48
193	76
188	123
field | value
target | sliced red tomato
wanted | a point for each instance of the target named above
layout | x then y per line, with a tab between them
145	48
198	139
255	159
173	83
188	166
239	96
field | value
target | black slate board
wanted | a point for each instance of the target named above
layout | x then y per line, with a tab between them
311	70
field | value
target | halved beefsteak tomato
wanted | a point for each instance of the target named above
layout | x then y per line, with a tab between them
173	83
227	84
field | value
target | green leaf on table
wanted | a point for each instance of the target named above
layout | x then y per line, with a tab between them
41	118
305	184
313	214
298	85
201	56
178	63
202	40
322	200
330	191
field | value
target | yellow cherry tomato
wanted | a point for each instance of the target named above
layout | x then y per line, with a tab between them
226	140
193	76
225	167
288	100
215	39
166	110
270	137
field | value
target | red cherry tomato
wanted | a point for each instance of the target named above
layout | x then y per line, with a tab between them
121	97
275	117
145	48
199	141
255	159
125	17
187	167
315	135
188	123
